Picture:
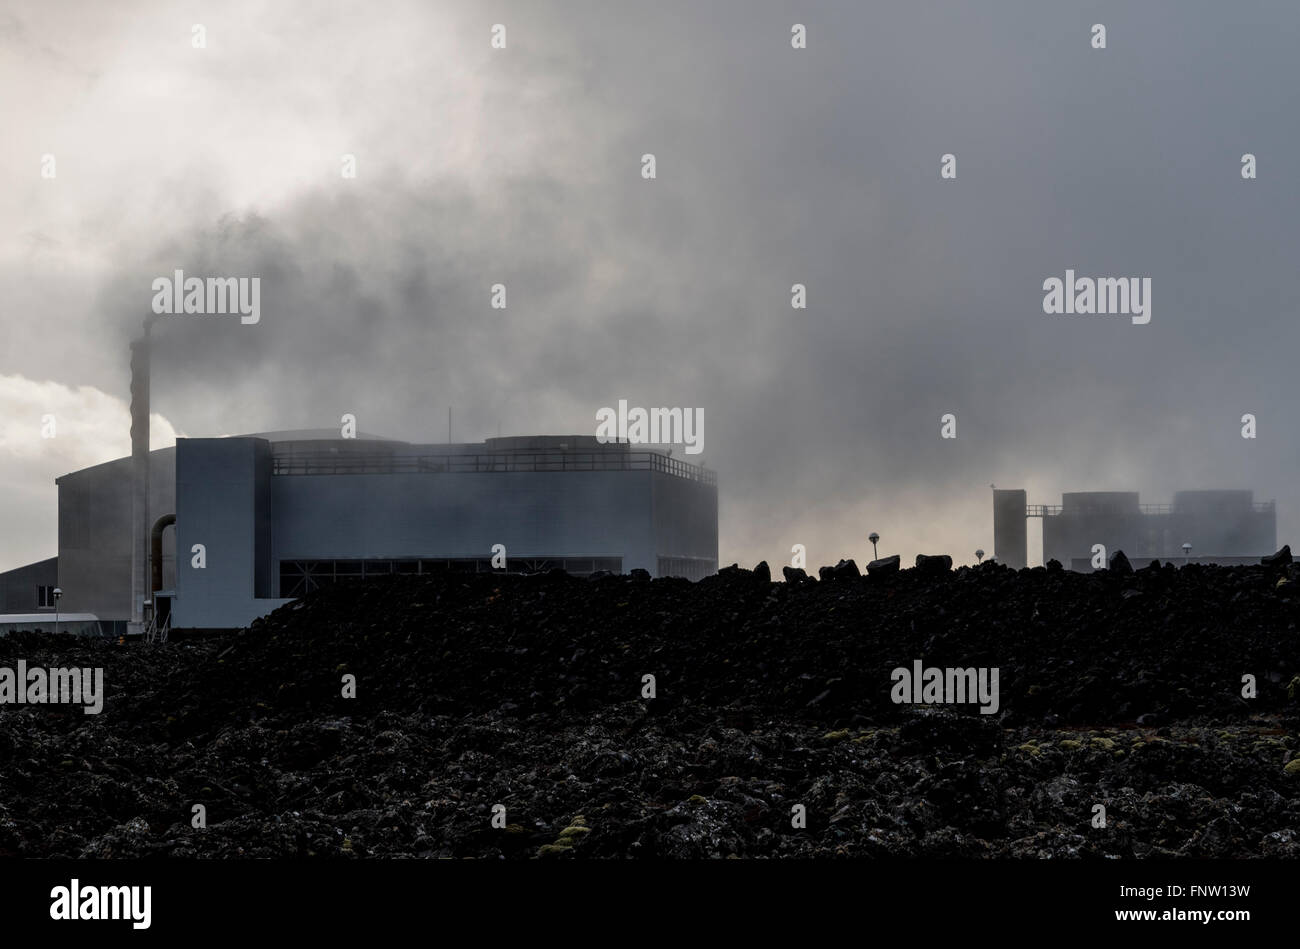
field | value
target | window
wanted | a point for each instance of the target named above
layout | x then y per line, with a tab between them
44	598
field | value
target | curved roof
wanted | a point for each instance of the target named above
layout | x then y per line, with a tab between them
313	435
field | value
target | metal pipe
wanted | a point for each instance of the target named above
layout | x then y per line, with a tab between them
139	476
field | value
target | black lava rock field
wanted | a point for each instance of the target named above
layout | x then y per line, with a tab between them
506	716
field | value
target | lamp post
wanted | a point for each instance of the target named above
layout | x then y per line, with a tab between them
979	556
873	538
57	593
1187	549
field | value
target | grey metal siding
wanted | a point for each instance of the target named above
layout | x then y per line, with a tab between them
685	518
216	506
95	533
463	514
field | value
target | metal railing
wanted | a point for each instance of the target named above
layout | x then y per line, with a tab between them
1051	510
157	632
319	462
1042	510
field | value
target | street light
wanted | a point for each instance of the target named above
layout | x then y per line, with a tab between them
979	556
873	538
57	593
1187	549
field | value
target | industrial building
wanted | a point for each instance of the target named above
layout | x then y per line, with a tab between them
261	519
1223	527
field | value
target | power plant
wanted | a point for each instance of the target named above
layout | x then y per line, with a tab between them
215	532
261	519
1222	527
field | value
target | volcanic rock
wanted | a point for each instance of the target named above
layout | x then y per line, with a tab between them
1280	559
884	566
941	563
844	570
473	690
795	575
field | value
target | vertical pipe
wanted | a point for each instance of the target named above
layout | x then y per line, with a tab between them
139	477
156	554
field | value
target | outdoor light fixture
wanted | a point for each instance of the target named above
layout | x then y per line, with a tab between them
57	593
873	538
1187	549
979	556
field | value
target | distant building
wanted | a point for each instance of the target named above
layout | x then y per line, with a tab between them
1222	526
30	589
278	515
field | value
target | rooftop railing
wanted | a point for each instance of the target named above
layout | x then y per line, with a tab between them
1051	510
320	462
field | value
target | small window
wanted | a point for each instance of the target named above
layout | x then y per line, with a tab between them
44	598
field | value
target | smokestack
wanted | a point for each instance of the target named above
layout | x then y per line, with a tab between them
140	527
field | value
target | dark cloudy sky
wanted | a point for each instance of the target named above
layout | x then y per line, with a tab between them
775	166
